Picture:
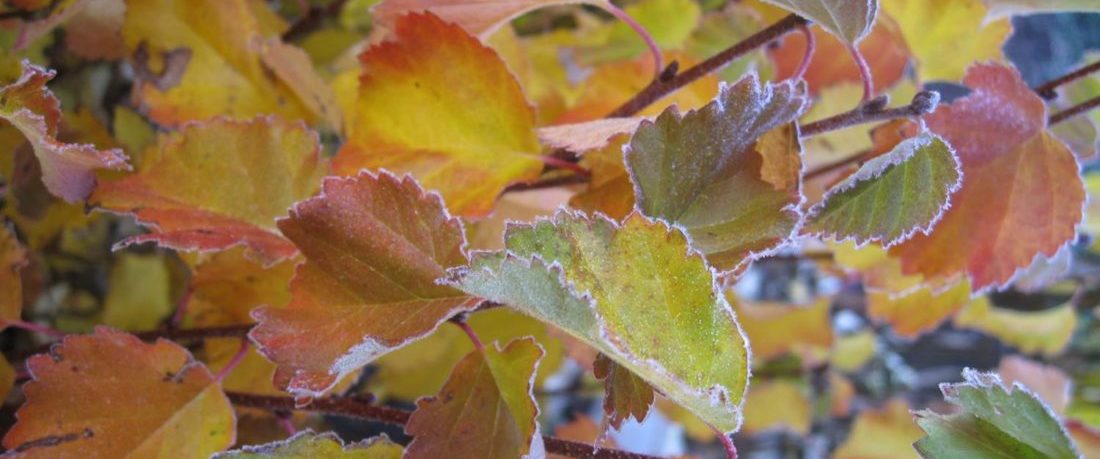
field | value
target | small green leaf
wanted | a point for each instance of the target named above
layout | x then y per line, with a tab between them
994	422
637	293
307	444
851	20
704	170
891	196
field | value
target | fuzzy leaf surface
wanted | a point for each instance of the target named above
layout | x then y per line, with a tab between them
374	246
700	170
892	196
307	444
851	20
635	292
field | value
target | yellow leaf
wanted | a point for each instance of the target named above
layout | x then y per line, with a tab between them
1046	332
884	433
777	404
139	295
932	26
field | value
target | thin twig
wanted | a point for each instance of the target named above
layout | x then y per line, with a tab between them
225	331
808	56
312	19
181	308
923	102
470	333
854	159
1046	90
727	444
36	328
658	62
547	183
864	73
661	87
352	407
1075	110
234	361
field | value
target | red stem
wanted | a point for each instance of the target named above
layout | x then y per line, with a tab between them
563	164
811	45
233	362
181	308
1075	110
470	333
1046	90
727	444
864	73
37	328
658	62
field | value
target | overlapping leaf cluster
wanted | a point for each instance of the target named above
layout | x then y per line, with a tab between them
270	204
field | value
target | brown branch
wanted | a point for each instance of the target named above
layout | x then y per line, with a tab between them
923	102
1046	90
312	19
661	87
1073	111
854	159
190	334
358	408
553	182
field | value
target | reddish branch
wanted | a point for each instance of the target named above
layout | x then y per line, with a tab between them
874	110
357	408
1075	110
1046	90
663	86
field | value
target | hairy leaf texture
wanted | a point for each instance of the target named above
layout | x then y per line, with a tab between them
637	293
374	246
892	196
108	395
436	103
704	170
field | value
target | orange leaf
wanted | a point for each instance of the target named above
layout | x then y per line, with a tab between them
12	258
884	433
486	409
374	246
438	104
1022	194
626	394
220	183
776	329
67	169
478	17
109	395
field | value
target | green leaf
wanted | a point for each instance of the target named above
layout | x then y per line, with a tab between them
701	171
637	293
307	444
994	422
850	20
891	196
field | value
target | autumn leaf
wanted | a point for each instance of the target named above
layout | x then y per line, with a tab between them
95	31
59	12
480	18
481	136
625	394
374	246
993	422
139	292
220	183
67	168
326	445
884	49
912	313
486	409
609	190
1022	195
587	135
778	329
850	20
887	432
635	292
195	60
109	395
777	404
700	171
1046	331
294	68
13	257
892	196
932	26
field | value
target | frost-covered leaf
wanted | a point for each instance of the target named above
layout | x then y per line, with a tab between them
850	20
374	246
892	196
931	27
994	422
625	394
195	59
13	257
1022	193
67	168
467	140
700	170
109	395
635	292
307	444
486	409
220	183
479	17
